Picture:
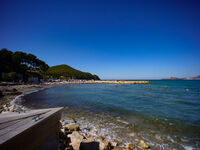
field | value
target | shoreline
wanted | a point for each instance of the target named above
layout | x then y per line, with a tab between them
69	129
10	93
83	131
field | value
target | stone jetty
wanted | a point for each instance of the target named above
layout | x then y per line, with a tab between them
107	82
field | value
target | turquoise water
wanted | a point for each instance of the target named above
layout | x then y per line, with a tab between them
165	113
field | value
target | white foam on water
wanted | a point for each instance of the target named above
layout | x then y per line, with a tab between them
188	147
18	99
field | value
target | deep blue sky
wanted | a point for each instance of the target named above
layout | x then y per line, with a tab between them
113	39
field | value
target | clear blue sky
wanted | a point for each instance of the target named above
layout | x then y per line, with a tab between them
113	39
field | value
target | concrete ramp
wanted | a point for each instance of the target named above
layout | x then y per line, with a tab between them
28	130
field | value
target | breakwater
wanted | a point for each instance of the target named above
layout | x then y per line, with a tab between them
108	82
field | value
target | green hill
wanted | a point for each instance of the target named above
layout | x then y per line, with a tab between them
67	72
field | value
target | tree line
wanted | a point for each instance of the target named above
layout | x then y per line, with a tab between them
20	66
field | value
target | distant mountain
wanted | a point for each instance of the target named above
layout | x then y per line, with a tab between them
196	78
67	72
189	78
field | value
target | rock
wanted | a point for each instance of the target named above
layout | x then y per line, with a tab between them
88	140
4	112
144	145
114	144
107	144
84	134
76	140
94	133
72	120
136	140
101	138
12	108
91	139
62	130
102	146
71	128
130	146
61	135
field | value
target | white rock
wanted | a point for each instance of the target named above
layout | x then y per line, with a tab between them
76	139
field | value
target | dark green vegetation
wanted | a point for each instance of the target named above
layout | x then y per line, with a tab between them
67	72
20	66
16	66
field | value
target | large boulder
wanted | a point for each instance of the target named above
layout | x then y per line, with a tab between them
76	140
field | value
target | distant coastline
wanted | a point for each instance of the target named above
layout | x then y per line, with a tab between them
187	78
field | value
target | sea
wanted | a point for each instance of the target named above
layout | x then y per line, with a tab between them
165	114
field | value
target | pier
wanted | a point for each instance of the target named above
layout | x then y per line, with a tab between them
28	130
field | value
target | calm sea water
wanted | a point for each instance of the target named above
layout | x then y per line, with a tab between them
166	114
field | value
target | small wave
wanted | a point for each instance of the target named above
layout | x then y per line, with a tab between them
18	99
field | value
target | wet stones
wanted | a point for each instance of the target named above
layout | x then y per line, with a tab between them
85	137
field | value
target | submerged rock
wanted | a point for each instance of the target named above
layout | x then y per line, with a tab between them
144	145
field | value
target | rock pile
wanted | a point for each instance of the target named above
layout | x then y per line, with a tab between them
72	138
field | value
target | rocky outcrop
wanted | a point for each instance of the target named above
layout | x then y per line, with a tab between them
76	140
71	137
